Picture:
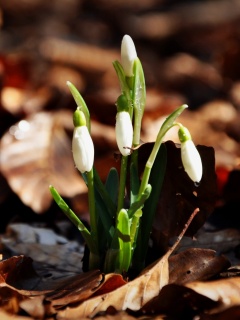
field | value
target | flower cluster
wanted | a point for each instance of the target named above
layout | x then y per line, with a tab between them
114	229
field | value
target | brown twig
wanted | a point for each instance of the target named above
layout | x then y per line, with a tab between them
179	238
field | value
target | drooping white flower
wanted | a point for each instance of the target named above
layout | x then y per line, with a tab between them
82	145
128	55
191	159
124	132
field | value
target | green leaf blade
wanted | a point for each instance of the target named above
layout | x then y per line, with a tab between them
73	218
123	231
112	184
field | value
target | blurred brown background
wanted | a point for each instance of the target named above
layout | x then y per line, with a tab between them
190	51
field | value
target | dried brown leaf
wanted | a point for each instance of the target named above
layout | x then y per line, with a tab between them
210	299
133	295
111	282
179	196
75	289
232	313
37	153
44	246
17	273
15	270
88	57
6	316
34	307
195	264
225	291
178	302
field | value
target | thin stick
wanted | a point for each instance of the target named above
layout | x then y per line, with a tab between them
179	238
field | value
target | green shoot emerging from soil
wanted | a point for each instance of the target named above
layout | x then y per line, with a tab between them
114	241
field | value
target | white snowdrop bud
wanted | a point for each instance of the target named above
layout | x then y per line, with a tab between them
82	144
124	132
128	55
191	159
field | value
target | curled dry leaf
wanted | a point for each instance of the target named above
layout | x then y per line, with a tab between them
133	295
35	153
75	289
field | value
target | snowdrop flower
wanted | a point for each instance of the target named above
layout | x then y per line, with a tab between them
190	157
124	132
82	144
128	55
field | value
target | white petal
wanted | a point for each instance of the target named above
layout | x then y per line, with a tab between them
124	132
128	55
83	149
191	160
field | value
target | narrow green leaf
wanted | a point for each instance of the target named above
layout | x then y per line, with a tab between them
103	194
134	228
73	217
112	184
106	222
111	263
105	208
123	231
101	189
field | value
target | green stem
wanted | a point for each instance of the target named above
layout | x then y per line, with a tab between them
166	126
92	208
122	183
145	178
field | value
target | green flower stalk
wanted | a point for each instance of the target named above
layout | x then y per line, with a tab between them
191	159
